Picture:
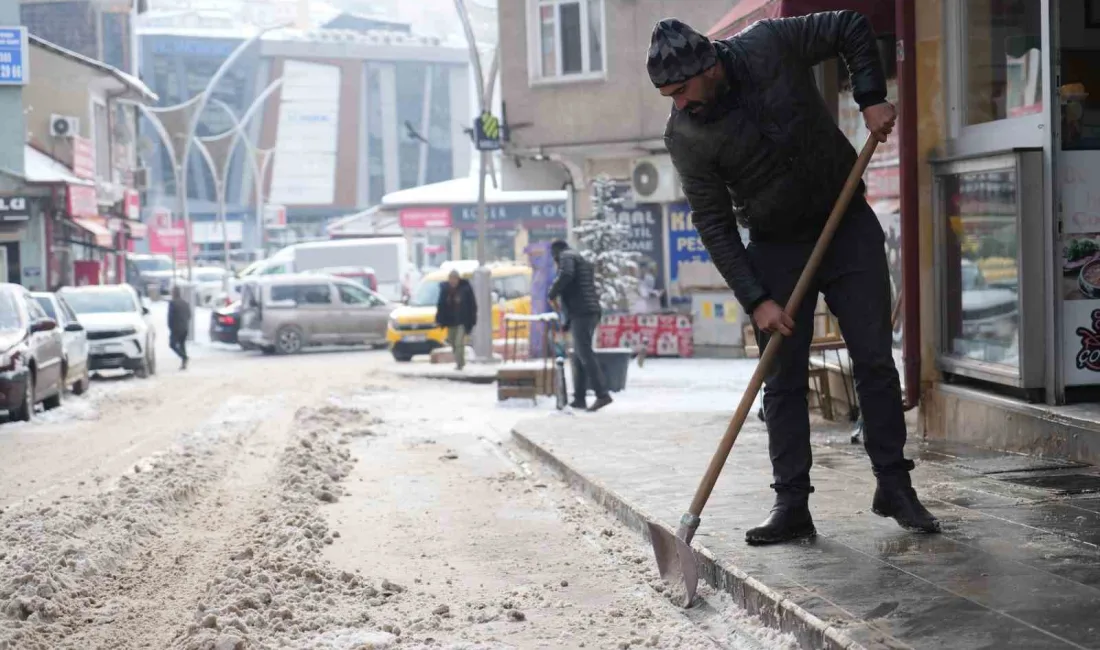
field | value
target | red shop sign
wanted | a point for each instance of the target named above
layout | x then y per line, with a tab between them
82	201
425	218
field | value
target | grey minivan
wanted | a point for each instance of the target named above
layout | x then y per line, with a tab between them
286	313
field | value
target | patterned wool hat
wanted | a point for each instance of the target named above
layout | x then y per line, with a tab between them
678	53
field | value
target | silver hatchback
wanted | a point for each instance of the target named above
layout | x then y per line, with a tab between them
286	313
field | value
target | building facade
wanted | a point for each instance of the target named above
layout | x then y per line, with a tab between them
72	212
98	29
361	112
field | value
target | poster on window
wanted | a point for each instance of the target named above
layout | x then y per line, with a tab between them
647	239
1081	338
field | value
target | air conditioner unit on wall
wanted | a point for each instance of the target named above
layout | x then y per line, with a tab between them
64	126
653	179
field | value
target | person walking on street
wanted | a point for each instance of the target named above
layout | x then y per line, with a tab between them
457	311
179	326
754	144
575	290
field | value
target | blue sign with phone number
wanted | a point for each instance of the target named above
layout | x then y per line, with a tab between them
13	56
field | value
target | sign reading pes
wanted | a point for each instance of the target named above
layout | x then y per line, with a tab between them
14	62
684	244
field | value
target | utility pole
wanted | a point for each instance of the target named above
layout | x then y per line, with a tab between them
483	335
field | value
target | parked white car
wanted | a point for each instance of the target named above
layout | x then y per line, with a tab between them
121	335
75	369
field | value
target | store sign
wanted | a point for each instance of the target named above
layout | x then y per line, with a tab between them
210	232
425	218
1082	342
684	244
83	158
487	132
14	62
167	236
512	214
131	204
14	208
82	201
647	237
274	217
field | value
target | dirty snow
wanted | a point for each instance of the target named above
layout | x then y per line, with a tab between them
316	502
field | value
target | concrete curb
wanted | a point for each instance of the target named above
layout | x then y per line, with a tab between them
447	375
754	596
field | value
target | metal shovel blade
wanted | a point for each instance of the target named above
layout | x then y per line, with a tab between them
675	562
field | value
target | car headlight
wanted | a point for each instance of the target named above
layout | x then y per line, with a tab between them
393	322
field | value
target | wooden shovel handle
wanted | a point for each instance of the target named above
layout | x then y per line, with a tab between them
718	461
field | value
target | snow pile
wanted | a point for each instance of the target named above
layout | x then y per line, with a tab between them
51	557
277	590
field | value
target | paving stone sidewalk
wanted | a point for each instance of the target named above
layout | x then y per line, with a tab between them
1018	565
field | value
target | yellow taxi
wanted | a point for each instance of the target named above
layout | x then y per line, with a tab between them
412	329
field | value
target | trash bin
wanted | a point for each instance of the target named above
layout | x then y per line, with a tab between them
615	362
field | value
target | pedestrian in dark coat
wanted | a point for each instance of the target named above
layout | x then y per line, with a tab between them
457	311
754	144
574	291
179	326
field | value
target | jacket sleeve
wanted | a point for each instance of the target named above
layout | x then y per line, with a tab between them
171	314
567	267
846	34
712	214
440	304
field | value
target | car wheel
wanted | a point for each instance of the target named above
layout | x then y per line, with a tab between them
143	371
288	340
401	357
82	384
152	362
54	401
25	412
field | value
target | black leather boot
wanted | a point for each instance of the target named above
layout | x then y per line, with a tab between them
789	520
896	498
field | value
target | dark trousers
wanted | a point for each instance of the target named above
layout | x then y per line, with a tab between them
587	373
178	342
855	280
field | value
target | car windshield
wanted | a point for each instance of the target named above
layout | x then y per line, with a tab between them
153	264
47	306
9	313
427	294
100	302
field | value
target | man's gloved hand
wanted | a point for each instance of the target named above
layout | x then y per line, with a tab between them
880	120
769	318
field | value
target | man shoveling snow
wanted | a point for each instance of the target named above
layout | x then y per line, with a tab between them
753	142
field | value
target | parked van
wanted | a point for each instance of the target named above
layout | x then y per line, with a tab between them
412	329
388	257
285	313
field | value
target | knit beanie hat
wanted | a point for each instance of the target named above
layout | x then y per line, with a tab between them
677	53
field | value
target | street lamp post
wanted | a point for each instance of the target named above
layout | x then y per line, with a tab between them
258	159
176	127
483	336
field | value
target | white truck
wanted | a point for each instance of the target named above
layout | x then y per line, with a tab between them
387	256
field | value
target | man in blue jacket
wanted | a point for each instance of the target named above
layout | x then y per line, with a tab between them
754	143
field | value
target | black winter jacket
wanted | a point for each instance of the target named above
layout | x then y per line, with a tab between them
768	153
179	316
446	313
575	285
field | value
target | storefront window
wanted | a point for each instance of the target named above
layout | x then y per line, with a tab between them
1003	59
980	280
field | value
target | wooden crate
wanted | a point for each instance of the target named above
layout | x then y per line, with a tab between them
525	381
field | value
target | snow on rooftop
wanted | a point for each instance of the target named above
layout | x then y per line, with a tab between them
463	191
40	168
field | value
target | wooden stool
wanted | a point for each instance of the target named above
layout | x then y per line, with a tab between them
820	376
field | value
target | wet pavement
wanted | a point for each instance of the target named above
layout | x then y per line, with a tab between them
1018	565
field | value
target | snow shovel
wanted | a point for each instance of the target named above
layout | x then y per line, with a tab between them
675	559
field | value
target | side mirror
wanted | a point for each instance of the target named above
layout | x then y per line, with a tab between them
74	327
144	310
43	325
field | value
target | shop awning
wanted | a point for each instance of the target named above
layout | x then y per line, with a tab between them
747	12
98	230
40	168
